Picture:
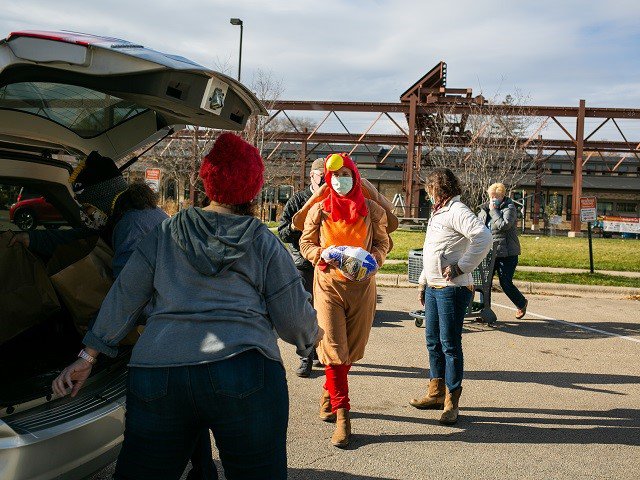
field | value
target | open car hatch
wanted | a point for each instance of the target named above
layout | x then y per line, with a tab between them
83	92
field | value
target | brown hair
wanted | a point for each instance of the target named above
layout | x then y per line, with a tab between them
245	209
138	196
444	183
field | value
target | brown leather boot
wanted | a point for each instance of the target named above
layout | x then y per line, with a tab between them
341	435
434	399
326	415
450	414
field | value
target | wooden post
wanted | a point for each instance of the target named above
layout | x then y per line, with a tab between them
537	193
576	225
411	145
192	172
303	160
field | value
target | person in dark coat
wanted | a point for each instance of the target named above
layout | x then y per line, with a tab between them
289	234
501	216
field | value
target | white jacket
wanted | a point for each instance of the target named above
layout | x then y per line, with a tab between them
454	235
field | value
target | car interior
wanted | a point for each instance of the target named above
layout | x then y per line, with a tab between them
40	352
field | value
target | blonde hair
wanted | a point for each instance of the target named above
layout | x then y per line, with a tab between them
498	189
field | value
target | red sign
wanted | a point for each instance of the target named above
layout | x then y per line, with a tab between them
152	174
152	178
588	202
588	209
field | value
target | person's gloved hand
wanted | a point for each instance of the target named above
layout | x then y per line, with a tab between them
451	272
421	290
326	255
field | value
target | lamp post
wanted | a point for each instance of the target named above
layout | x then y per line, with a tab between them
237	21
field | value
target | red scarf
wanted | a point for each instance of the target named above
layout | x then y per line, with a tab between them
350	207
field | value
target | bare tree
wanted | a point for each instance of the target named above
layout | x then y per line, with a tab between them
482	147
268	89
180	157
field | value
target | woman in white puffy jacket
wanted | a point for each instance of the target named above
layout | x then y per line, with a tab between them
455	244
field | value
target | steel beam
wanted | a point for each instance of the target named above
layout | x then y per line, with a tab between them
402	140
516	110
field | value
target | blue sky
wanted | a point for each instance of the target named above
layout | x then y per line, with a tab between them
556	52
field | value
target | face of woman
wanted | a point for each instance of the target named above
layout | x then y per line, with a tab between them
342	181
495	197
431	195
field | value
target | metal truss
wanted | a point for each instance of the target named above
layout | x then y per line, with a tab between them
422	105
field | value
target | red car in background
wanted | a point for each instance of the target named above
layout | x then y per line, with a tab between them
32	209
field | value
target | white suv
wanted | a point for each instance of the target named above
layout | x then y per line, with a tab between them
68	93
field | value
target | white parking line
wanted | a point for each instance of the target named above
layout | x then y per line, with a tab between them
577	325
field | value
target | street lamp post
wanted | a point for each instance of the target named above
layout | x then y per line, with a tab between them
237	21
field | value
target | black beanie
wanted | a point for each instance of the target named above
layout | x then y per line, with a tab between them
97	181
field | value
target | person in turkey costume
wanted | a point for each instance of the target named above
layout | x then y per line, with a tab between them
345	307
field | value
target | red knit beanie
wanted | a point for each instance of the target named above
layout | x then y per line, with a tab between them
232	171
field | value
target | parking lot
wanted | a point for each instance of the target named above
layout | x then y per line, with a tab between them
555	395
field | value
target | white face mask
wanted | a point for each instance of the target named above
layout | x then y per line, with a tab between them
342	185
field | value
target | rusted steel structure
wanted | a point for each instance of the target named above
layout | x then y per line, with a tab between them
429	95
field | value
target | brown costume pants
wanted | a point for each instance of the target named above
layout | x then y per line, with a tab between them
345	313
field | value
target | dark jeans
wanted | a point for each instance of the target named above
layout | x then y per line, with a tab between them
243	400
444	310
307	283
506	267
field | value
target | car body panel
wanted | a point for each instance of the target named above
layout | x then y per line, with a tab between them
48	177
65	438
44	212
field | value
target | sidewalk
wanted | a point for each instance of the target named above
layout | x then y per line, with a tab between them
552	270
561	289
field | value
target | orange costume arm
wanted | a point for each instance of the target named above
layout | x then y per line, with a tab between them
371	192
310	240
381	242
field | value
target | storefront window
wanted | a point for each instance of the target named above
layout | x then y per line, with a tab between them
626	207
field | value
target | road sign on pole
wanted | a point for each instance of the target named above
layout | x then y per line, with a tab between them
589	213
588	209
152	178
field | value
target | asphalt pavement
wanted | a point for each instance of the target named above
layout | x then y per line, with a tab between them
555	395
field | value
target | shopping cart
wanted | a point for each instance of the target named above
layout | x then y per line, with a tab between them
480	305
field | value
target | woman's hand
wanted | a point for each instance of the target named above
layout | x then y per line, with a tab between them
319	336
72	377
20	238
451	272
421	291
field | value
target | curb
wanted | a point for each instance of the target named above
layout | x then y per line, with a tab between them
560	289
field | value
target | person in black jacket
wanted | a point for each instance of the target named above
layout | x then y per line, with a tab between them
289	234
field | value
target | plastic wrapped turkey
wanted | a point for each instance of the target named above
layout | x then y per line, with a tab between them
355	263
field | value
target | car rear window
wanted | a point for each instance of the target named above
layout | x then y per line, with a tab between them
86	112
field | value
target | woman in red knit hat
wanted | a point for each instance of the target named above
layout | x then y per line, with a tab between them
345	307
220	286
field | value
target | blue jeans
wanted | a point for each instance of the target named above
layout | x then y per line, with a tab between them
444	310
243	400
506	267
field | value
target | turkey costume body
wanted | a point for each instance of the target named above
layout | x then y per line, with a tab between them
345	308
